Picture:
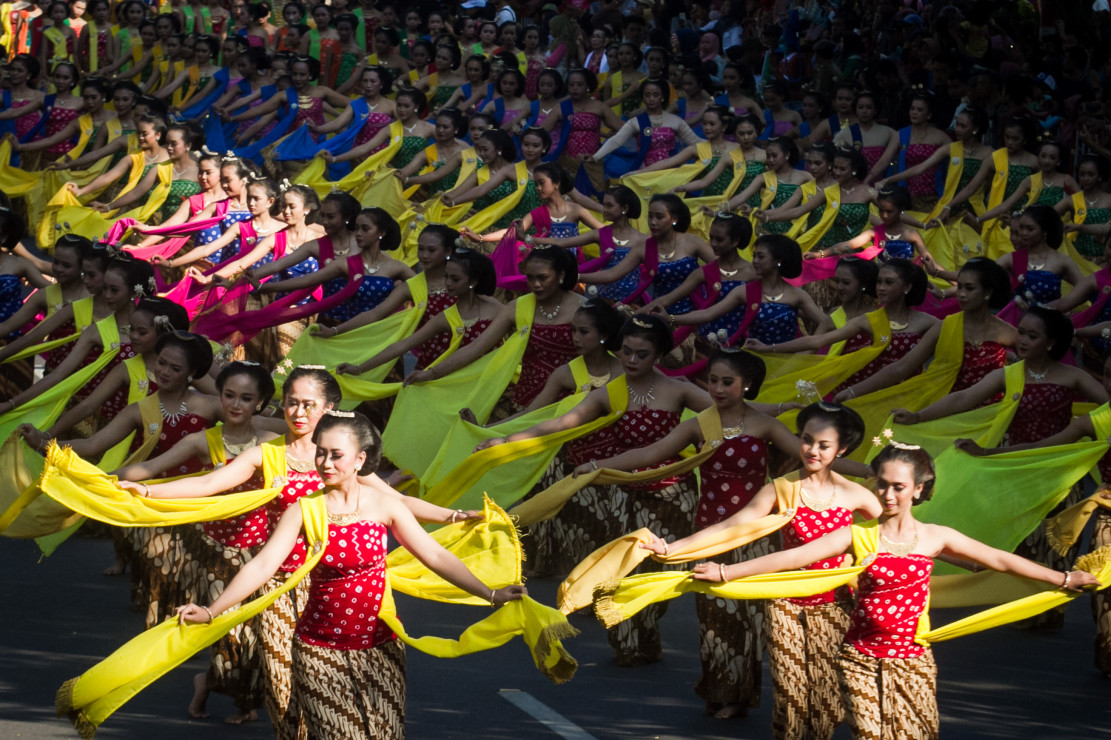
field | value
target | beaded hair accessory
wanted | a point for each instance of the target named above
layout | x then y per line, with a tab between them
162	321
637	321
828	406
311	367
229	156
340	414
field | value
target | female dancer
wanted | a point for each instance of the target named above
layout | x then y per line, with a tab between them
348	448
379	114
918	143
774	257
409	107
89	115
128	381
496	150
892	236
440	164
26	99
982	289
616	240
65	267
435	247
213	552
61	115
1045	408
1037	266
657	129
375	232
848	203
180	140
260	225
470	95
878	143
307	394
562	217
580	118
716	121
717	279
730	633
734	78
778	118
780	157
152	136
1047	186
900	286
470	280
878	641
509	105
1091	209
552	274
666	506
211	192
676	254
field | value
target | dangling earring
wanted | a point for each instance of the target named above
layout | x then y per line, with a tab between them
674	223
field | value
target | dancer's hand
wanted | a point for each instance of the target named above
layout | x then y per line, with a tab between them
710	572
655	545
902	416
468	416
193	614
418	376
347	368
508	593
324	331
1080	580
487	443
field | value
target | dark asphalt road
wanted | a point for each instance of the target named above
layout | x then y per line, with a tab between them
61	615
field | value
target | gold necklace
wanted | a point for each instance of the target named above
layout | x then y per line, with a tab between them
299	465
728	273
734	432
899	549
342	520
814	504
897	326
235	450
772	298
597	381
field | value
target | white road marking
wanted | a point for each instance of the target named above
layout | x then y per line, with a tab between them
544	714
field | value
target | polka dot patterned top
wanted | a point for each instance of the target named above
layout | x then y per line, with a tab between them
374	123
438	302
775	323
808	525
53	358
669	276
297	485
620	290
245	530
373	289
549	346
661	146
1039	286
731	321
175	429
892	595
212	233
346	590
924	185
730	478
11	297
979	360
118	400
901	343
585	136
1044	410
640	428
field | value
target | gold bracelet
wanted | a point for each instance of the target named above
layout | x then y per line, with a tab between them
210	617
492	604
721	572
146	490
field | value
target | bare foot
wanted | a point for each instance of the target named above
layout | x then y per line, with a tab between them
242	718
200	696
731	710
117	568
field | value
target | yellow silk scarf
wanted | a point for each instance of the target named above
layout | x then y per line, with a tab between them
486	218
